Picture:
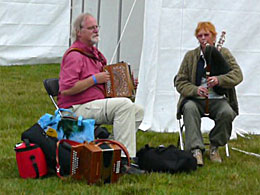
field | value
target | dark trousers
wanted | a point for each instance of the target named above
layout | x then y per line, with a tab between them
222	114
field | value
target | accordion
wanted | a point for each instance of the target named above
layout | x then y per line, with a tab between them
121	82
96	162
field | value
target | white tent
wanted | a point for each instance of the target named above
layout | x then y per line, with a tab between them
168	34
33	31
160	31
38	31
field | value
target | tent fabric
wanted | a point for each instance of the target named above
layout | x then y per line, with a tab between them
169	33
33	31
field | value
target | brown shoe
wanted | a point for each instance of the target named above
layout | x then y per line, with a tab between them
198	155
214	155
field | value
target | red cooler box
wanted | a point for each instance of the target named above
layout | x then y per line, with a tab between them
30	159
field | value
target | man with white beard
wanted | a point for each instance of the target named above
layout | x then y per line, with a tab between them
81	87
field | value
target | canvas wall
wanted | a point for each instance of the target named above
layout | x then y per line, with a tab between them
33	31
169	33
38	32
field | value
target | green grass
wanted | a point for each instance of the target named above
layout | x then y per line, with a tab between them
23	100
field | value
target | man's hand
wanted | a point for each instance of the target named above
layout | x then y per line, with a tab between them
212	81
136	82
202	91
102	77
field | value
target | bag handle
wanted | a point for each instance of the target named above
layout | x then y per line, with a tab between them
80	119
27	143
100	141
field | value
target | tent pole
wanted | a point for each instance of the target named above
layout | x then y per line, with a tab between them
119	29
98	14
71	5
82	7
98	11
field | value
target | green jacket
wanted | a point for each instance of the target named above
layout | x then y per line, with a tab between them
186	77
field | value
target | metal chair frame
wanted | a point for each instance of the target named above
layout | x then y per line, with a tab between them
52	87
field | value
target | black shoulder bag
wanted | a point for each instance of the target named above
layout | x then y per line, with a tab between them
165	159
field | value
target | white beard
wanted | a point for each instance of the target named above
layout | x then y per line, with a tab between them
95	39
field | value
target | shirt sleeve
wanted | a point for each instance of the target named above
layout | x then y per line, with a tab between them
70	70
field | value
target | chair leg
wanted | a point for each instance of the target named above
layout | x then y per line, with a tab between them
180	141
227	150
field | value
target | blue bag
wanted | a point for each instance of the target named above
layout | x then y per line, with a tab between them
69	127
51	121
79	130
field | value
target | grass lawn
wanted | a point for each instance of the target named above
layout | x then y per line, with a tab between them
23	100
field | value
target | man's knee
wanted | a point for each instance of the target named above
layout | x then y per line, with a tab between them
139	112
123	104
139	109
127	102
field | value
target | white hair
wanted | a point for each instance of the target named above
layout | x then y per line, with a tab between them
78	23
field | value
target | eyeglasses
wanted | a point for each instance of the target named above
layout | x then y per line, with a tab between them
204	34
92	28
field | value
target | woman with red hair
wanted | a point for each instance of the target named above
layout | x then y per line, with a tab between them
194	87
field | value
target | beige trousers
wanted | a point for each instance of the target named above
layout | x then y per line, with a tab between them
122	113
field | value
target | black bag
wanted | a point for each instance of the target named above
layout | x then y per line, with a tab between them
37	135
165	159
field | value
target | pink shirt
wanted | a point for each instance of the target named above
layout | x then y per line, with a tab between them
76	66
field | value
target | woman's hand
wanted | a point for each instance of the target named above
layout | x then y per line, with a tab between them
202	91
212	82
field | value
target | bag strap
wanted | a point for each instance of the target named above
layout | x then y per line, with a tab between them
100	59
80	120
101	141
27	143
35	166
57	161
83	53
32	158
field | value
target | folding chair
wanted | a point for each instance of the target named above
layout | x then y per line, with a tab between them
52	87
182	129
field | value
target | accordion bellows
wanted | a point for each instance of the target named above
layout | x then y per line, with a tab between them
96	162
